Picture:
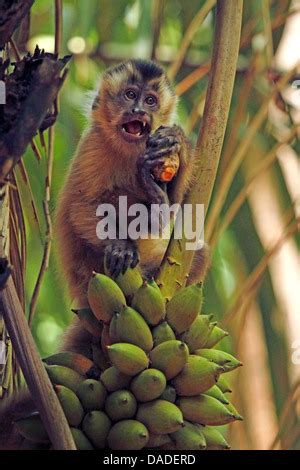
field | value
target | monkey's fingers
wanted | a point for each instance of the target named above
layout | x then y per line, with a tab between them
162	141
162	152
135	259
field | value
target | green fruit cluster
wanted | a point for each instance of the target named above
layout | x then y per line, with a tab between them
153	378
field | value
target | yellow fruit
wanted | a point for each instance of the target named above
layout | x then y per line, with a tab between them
170	357
61	375
197	376
214	439
129	326
89	321
92	394
216	393
148	385
32	428
81	441
223	385
75	361
160	416
128	358
233	410
203	409
105	297
198	333
114	380
184	307
216	335
227	361
96	426
188	438
70	404
120	405
161	333
128	435
151	304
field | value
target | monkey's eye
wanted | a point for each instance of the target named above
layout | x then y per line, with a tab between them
130	95
151	100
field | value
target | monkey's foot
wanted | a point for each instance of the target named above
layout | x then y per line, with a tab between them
121	255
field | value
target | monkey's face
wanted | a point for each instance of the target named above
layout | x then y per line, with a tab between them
135	99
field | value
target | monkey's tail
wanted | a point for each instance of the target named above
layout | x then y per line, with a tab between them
12	409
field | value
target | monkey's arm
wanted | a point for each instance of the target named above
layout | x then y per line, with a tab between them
167	141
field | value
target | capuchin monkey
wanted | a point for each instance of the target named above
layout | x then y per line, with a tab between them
131	132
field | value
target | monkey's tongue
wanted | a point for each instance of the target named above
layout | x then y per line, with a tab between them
134	127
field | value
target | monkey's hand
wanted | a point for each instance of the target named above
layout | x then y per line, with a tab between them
160	145
120	255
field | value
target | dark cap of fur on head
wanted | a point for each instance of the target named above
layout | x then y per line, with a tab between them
137	70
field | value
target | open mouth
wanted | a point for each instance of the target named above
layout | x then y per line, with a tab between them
136	129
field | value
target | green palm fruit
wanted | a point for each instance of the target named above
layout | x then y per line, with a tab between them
198	333
81	441
128	435
92	394
161	333
148	385
169	394
216	393
197	376
214	439
129	282
128	358
114	380
150	302
188	438
158	440
233	410
216	335
105	297
184	307
227	361
170	357
61	375
204	409
99	357
120	405
70	404
96	426
75	361
160	416
31	427
89	321
152	283
130	327
223	385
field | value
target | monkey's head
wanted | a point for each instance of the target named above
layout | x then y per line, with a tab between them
135	98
